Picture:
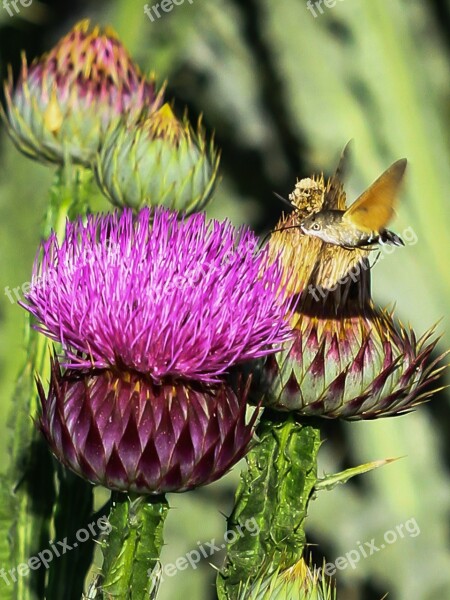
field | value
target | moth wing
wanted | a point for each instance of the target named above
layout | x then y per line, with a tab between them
333	265
334	198
373	210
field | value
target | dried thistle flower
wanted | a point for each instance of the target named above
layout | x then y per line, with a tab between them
349	358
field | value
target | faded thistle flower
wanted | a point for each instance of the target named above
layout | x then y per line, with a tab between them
150	312
159	161
64	101
349	358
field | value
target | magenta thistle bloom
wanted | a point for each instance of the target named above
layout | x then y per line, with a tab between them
151	311
159	296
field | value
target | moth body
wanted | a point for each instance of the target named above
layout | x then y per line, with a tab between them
331	227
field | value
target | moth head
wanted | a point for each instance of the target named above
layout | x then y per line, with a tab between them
312	225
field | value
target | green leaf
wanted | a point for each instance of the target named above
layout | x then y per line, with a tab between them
331	481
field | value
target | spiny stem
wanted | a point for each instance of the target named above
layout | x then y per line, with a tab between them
271	502
132	549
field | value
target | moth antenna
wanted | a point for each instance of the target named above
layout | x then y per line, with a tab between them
283	199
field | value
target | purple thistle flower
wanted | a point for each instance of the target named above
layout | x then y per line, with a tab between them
151	311
157	295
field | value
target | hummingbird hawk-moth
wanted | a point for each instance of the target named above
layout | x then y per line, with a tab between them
363	224
328	241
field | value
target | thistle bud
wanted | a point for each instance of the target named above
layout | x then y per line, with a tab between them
158	161
299	582
64	101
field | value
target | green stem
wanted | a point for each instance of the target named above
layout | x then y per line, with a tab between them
73	505
31	476
271	503
132	549
75	534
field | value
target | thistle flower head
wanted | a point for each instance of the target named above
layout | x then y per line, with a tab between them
318	265
151	311
158	161
349	358
65	100
158	295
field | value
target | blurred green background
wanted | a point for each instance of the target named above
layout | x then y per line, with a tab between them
284	91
